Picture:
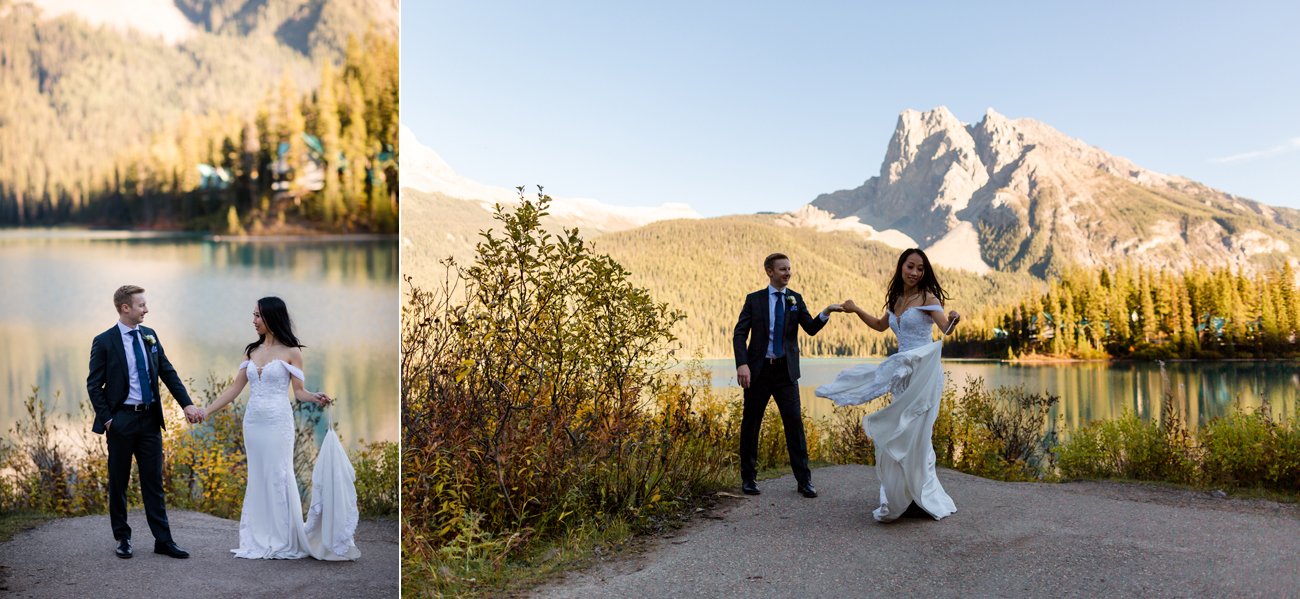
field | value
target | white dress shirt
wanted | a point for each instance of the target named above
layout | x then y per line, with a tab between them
135	395
771	316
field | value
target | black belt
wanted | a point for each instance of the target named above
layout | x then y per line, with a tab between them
779	360
139	407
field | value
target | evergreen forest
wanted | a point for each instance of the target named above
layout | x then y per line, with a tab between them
229	131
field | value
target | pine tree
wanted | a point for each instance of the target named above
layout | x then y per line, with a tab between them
1187	322
328	129
250	154
290	127
1146	305
355	144
1286	297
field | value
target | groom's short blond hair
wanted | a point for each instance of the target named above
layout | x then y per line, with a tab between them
123	295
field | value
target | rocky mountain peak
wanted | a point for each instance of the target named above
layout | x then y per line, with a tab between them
1017	194
920	136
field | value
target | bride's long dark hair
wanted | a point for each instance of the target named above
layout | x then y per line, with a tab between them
275	316
928	281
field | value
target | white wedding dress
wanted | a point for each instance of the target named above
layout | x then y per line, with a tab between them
271	524
902	431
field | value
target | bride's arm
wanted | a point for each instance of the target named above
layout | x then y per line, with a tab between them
229	394
878	323
300	392
946	322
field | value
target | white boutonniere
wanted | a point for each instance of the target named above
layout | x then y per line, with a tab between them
151	340
794	305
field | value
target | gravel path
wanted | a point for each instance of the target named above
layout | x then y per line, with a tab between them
1083	539
73	557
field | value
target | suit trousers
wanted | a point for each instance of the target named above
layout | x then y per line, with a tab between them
773	382
136	435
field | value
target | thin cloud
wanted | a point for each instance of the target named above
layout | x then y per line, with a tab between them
1289	145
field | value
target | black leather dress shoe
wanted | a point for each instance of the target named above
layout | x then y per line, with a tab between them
170	549
807	490
124	549
750	488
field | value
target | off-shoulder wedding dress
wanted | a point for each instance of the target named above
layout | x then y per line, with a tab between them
902	431
271	524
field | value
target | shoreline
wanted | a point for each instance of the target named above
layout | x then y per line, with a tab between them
78	233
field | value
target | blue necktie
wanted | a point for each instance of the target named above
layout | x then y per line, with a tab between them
146	390
778	341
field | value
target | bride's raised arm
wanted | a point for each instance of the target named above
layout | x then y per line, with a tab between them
300	392
879	323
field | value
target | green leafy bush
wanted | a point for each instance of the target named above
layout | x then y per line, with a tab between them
1252	450
377	483
1240	450
538	401
1005	431
1129	448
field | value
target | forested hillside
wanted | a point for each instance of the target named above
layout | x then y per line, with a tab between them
218	132
707	267
1142	312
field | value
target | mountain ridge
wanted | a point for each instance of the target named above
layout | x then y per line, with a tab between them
1001	206
1037	200
316	28
425	171
1013	195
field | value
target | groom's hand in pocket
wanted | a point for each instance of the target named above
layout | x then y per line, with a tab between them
742	375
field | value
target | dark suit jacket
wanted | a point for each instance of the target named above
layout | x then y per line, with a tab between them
753	324
109	380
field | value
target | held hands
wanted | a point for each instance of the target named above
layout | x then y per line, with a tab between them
845	306
195	414
321	399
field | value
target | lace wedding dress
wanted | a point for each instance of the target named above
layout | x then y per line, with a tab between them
271	524
902	430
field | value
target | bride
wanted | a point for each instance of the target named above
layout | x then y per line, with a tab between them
901	431
271	524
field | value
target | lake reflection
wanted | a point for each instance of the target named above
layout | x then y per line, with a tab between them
1093	390
342	295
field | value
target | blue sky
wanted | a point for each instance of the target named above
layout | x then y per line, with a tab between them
739	107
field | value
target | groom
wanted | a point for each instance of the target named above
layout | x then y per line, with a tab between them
126	363
769	367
